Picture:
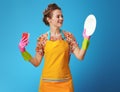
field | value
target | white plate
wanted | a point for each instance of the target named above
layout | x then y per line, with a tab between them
90	24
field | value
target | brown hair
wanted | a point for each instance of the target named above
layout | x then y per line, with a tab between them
48	12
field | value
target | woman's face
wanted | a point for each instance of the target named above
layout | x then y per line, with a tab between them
57	18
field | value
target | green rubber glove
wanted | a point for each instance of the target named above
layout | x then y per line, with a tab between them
26	55
85	44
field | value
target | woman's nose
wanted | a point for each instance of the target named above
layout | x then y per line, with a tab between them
61	18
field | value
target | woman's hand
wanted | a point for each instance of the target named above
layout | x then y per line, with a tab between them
85	35
23	43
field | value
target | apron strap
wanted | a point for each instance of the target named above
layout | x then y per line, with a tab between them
63	36
60	33
48	35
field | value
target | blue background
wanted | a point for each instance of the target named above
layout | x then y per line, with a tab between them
98	72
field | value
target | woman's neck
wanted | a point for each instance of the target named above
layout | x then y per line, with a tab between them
54	30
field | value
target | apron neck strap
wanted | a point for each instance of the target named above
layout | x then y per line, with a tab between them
49	34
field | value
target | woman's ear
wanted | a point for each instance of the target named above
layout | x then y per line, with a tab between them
48	19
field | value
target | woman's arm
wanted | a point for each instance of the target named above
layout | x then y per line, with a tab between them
36	60
79	53
26	55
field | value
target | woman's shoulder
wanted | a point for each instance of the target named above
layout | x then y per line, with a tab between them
67	33
42	36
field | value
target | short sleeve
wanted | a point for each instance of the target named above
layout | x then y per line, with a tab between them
40	44
71	40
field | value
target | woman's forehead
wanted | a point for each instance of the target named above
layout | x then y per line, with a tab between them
57	12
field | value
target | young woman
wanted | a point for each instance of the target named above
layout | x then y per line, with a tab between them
56	45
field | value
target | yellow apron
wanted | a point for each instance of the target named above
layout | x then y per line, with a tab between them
56	76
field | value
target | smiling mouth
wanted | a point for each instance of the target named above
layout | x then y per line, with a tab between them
61	22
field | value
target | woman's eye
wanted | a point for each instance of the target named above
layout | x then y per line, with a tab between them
60	16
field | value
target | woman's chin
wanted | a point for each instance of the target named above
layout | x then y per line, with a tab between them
60	25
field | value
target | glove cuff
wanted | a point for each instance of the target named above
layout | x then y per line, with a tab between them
85	44
26	56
